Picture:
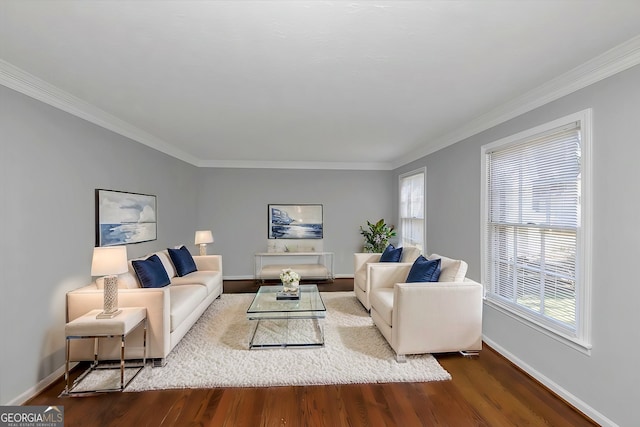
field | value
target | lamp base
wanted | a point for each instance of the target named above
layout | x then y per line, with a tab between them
105	315
203	249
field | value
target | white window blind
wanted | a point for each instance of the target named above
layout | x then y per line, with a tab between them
533	219
412	197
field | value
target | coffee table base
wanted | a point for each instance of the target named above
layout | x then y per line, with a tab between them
287	333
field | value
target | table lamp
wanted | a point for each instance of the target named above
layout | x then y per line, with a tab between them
109	261
202	238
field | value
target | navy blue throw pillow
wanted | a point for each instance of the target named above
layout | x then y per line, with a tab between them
391	254
183	261
424	270
151	272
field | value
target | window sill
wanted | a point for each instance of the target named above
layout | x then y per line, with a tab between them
573	342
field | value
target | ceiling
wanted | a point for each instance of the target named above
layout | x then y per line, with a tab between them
327	84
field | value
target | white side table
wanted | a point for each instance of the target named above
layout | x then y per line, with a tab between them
88	326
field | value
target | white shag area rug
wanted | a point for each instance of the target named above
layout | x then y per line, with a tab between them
215	353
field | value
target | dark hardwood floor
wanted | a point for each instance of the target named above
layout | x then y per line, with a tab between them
485	391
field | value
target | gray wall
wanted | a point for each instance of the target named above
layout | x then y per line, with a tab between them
233	204
51	163
605	383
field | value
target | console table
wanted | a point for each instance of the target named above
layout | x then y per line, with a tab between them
310	265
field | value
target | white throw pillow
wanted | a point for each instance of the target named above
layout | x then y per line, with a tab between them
451	270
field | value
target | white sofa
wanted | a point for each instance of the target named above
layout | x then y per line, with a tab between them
171	310
430	317
362	263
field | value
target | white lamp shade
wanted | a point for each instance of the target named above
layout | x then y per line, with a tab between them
109	260
203	236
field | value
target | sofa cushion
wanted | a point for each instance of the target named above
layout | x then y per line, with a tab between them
184	300
182	261
209	279
391	254
424	270
151	272
382	302
451	270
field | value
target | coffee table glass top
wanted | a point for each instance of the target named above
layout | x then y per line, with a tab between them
266	306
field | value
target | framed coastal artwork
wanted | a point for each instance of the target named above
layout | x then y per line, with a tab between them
123	218
295	221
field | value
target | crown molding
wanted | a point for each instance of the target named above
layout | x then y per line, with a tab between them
620	58
34	87
30	85
254	164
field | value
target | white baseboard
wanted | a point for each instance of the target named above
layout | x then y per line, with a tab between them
237	277
41	385
551	385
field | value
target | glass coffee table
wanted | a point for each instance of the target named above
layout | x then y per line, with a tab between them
287	323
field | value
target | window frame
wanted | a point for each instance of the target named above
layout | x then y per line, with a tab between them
423	171
581	339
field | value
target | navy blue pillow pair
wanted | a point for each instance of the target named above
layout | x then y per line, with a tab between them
391	254
151	272
183	261
424	270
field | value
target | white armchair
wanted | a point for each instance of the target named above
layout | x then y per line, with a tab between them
431	317
361	265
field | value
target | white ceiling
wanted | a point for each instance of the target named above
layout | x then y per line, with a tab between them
336	84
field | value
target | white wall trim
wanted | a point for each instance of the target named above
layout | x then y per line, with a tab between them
581	339
609	63
422	170
30	85
552	385
40	386
248	164
620	58
34	87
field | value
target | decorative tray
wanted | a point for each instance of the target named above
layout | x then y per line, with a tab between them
287	295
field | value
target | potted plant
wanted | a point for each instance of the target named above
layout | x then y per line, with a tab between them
377	236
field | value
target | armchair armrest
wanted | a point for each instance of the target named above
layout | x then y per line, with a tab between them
360	259
387	274
208	262
444	316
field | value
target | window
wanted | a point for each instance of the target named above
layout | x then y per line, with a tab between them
535	254
412	197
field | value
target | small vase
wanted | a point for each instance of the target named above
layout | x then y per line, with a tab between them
290	286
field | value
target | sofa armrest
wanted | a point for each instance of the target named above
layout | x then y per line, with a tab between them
155	300
446	315
208	262
387	274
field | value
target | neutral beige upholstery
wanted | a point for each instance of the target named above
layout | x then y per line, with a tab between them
171	310
432	317
88	325
451	270
361	264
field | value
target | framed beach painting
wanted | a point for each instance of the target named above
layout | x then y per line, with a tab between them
123	218
295	221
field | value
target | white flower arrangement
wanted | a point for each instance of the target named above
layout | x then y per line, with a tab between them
289	276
